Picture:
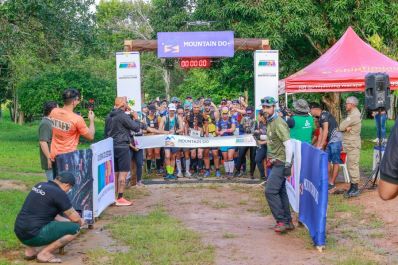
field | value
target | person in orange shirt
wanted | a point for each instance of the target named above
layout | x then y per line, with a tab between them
69	126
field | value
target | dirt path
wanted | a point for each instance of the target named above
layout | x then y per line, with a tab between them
225	218
231	218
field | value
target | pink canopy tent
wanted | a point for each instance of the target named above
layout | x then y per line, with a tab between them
342	68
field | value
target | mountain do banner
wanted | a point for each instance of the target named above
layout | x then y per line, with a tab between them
104	175
128	75
266	75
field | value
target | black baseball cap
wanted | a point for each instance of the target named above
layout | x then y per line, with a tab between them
67	177
315	105
70	93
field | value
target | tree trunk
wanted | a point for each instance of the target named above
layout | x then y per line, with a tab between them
15	108
166	78
332	102
21	118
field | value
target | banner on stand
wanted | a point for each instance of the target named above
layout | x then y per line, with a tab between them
104	175
293	182
314	192
266	75
81	195
153	141
128	74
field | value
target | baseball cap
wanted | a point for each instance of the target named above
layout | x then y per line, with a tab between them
315	105
188	97
268	101
207	102
235	101
152	108
175	99
224	110
172	106
66	177
187	105
249	110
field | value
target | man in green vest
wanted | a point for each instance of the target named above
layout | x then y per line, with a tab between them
304	127
280	154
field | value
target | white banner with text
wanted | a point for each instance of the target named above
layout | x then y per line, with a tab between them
154	141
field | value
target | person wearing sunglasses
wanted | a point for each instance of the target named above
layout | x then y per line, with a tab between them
280	153
226	127
210	119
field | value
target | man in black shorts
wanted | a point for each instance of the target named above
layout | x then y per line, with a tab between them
39	223
119	124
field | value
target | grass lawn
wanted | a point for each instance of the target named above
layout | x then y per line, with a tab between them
169	241
155	238
368	133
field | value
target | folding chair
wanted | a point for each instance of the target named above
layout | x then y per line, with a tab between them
343	157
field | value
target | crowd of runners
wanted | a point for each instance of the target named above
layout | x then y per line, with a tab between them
201	118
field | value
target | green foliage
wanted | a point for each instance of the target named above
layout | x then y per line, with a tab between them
50	85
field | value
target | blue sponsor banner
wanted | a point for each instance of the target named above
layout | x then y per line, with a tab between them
195	44
314	192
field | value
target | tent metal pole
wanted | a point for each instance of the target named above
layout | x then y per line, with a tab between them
286	99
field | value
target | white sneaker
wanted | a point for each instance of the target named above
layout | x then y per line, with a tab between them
188	174
375	140
180	175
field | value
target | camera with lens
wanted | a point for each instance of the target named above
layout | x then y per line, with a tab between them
256	135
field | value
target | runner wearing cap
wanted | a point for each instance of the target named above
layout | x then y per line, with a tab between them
226	127
187	152
210	118
152	121
180	154
280	152
172	125
195	129
237	113
247	126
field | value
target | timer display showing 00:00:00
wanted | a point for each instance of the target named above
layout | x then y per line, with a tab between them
195	63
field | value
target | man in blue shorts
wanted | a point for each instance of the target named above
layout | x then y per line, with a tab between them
334	138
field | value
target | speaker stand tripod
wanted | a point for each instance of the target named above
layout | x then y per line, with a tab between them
376	171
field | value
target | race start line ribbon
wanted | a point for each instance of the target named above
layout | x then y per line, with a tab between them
155	141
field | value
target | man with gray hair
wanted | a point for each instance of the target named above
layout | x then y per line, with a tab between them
351	128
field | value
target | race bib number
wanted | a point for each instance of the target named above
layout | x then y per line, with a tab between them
194	133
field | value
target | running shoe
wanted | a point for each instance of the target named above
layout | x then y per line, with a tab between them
123	202
188	174
290	226
180	175
280	228
207	174
218	174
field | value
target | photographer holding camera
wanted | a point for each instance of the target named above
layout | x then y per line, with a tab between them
261	136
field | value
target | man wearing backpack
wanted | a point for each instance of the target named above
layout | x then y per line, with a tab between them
172	125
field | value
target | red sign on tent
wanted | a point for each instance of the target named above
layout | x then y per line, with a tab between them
343	68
